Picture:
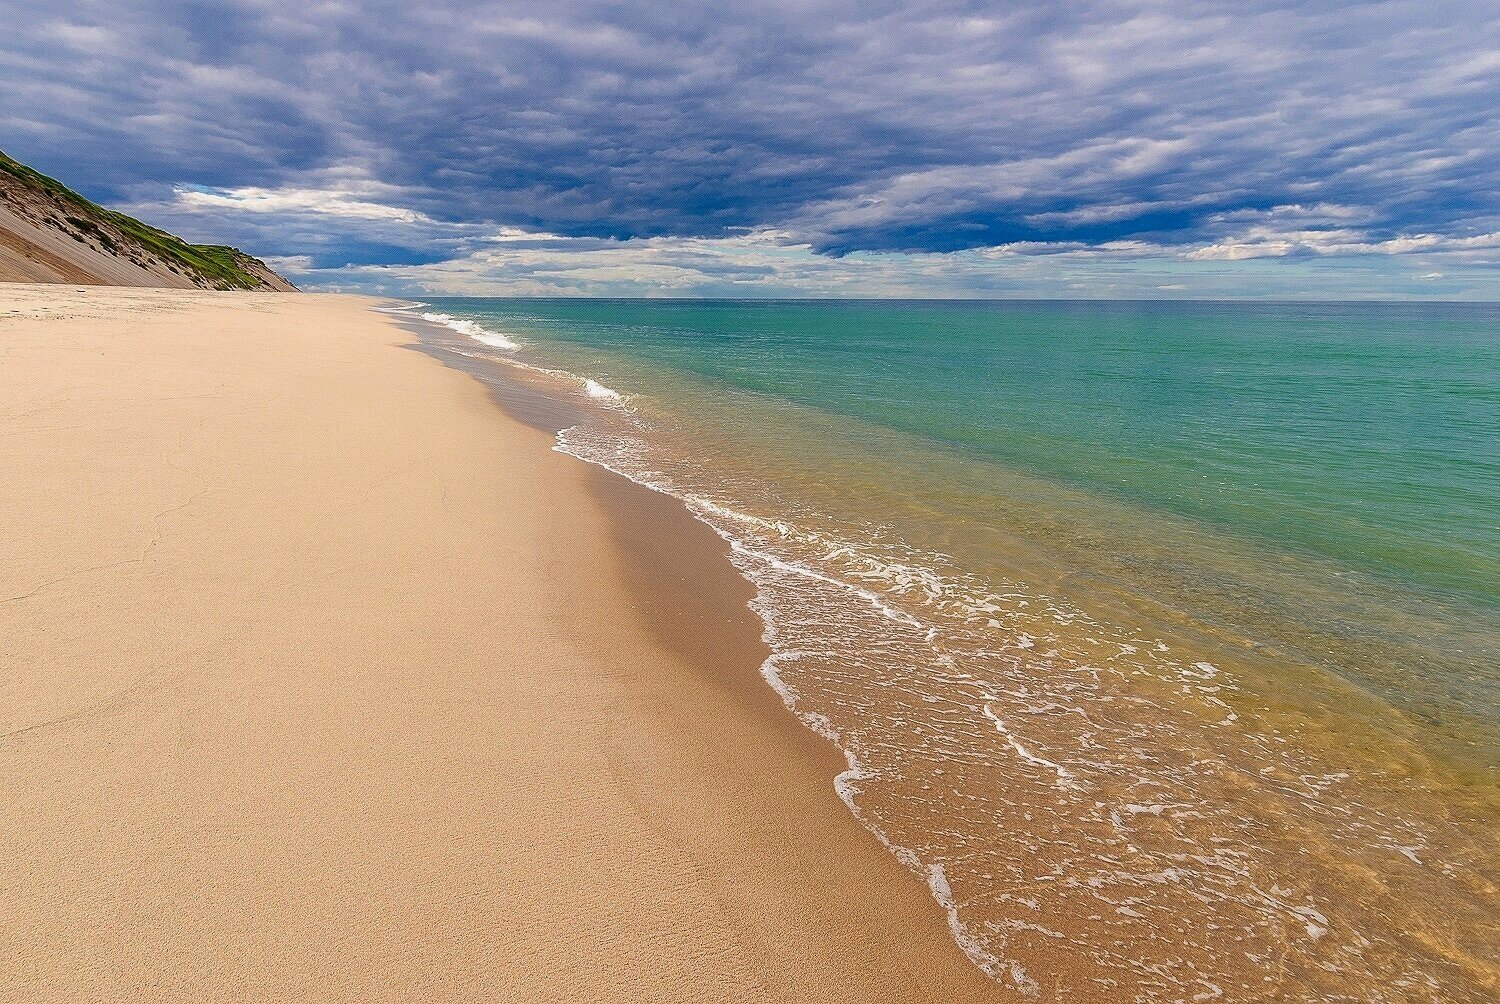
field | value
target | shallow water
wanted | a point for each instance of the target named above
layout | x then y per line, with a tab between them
1161	638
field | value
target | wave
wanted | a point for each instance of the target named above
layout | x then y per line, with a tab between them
474	330
599	392
591	388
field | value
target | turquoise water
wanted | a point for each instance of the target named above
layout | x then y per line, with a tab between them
1165	632
1365	433
1363	436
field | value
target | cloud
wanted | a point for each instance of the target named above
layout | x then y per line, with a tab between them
772	265
1260	131
1286	231
348	191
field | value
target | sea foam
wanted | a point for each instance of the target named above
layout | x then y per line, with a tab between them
474	330
596	390
592	389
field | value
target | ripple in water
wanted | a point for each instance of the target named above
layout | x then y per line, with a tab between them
1086	804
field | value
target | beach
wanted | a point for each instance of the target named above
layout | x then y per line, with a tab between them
328	679
1143	742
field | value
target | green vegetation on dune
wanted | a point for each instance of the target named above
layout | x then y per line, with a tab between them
218	266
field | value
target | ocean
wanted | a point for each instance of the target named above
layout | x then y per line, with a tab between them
1162	639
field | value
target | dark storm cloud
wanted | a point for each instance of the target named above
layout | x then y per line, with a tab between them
848	127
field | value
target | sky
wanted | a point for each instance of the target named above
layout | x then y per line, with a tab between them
1096	149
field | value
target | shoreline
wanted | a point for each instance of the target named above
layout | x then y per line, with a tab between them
277	755
654	531
1393	875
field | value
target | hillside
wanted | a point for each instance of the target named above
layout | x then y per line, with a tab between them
49	233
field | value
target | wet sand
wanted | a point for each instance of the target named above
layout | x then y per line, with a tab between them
326	679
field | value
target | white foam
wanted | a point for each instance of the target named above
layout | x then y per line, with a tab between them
599	392
991	964
592	388
496	341
474	330
1065	777
700	505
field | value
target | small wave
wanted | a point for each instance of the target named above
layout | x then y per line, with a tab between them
591	388
474	330
495	341
599	392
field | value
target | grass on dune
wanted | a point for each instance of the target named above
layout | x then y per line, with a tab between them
221	266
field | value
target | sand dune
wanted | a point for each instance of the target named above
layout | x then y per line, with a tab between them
49	233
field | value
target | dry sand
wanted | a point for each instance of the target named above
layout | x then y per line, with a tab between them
323	679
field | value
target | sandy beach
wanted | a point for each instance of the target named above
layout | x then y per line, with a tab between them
325	679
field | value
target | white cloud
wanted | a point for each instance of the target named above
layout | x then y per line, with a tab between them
936	192
323	201
1268	242
768	264
290	264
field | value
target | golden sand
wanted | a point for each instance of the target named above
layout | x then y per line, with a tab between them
323	679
